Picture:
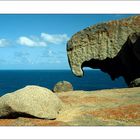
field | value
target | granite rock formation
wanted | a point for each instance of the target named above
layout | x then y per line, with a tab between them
113	47
113	107
31	101
63	86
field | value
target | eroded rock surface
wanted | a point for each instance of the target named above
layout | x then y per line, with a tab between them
31	101
114	47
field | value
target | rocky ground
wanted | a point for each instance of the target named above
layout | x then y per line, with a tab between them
115	107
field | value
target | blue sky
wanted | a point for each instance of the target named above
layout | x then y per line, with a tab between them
39	41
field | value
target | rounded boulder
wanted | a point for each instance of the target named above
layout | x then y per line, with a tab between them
135	83
63	86
35	101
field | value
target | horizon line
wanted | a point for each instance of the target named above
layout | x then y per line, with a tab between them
44	69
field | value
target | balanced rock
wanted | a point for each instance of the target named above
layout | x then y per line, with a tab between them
113	47
63	86
31	101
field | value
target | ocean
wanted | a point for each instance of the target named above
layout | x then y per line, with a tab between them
11	80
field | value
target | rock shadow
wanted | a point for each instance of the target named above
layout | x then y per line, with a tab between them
125	64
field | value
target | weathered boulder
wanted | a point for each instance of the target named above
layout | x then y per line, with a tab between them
31	101
63	86
114	47
135	83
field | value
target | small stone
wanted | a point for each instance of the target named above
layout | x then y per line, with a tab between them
63	86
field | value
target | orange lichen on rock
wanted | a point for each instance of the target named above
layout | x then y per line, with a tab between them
83	108
6	122
128	112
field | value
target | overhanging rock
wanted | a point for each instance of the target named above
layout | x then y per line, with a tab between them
114	47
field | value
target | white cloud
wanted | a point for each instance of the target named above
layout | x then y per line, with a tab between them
43	40
4	42
50	53
54	38
31	42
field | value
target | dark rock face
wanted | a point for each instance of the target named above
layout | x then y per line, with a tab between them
114	49
63	86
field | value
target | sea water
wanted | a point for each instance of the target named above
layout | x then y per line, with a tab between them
11	80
